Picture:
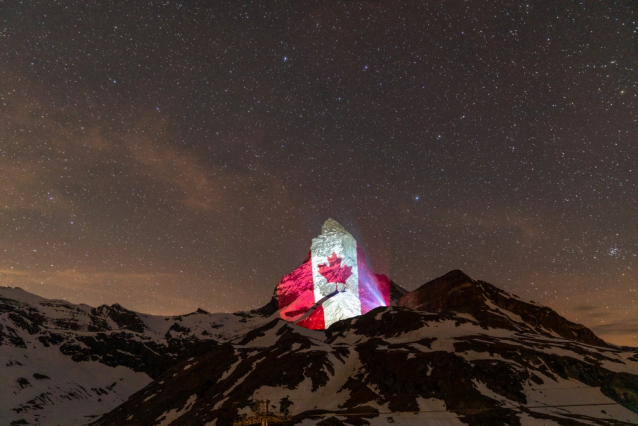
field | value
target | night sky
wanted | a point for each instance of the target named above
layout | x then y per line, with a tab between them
168	156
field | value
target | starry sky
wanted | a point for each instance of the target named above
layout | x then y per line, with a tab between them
168	156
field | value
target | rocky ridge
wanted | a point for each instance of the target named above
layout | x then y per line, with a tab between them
493	307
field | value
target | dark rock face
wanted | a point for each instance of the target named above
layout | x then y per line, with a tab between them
456	292
127	350
122	317
9	336
396	293
452	291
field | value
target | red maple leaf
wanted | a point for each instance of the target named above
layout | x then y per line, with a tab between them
334	272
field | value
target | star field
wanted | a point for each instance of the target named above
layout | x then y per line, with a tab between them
168	156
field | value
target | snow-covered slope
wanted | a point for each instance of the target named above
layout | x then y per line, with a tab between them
395	365
66	364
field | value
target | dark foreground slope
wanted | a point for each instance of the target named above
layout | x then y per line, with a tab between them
403	366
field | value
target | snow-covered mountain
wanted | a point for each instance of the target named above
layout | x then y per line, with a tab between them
479	357
66	364
455	351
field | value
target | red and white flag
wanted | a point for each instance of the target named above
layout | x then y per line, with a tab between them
332	284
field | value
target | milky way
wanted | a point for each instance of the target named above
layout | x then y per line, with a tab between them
169	156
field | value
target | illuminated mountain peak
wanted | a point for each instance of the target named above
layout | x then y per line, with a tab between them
331	226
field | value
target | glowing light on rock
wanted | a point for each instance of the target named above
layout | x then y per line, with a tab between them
333	283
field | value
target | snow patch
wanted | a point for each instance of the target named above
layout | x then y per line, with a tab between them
417	419
219	403
431	404
573	392
481	387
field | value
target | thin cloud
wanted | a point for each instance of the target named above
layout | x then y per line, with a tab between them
584	308
143	292
618	328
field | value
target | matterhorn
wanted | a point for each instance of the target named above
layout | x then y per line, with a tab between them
333	283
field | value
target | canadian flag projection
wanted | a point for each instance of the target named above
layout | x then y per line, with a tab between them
332	284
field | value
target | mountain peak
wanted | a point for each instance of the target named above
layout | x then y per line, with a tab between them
493	307
331	226
435	295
